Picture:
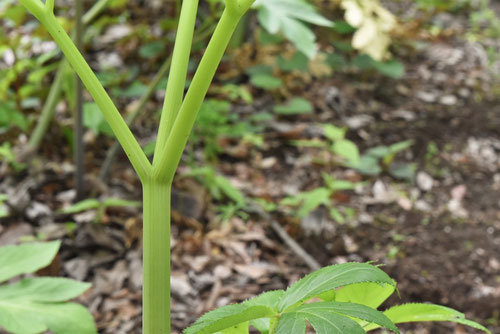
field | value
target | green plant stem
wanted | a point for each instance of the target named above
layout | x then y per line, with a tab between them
170	155
177	76
54	95
111	114
273	324
156	258
113	150
48	109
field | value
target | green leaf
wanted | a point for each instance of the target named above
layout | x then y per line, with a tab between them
332	317
391	68
368	165
85	205
27	258
92	116
329	278
43	289
348	150
228	316
119	202
369	294
265	81
288	16
238	329
27	317
296	106
152	49
312	199
333	132
426	312
404	171
269	299
291	323
400	146
298	62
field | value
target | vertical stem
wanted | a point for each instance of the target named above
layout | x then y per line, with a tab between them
156	258
171	153
177	77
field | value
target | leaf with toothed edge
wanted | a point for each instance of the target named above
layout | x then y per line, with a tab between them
329	278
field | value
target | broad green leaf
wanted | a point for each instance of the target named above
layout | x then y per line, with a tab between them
329	278
43	289
346	149
269	299
288	16
228	316
266	81
426	312
291	323
378	151
333	132
392	68
296	106
400	146
404	171
369	294
27	258
20	316
86	204
333	317
298	62
336	215
238	329
368	165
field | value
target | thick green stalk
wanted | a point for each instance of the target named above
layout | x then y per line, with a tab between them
111	114
169	159
156	258
177	76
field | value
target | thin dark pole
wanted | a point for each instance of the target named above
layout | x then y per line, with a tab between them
78	125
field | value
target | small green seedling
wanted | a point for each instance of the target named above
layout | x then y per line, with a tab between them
339	299
99	206
37	304
310	200
4	211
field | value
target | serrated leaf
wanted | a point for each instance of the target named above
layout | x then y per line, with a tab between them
333	318
358	311
228	316
269	299
28	317
369	294
43	289
288	16
329	278
426	312
238	329
26	258
291	323
322	322
92	116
